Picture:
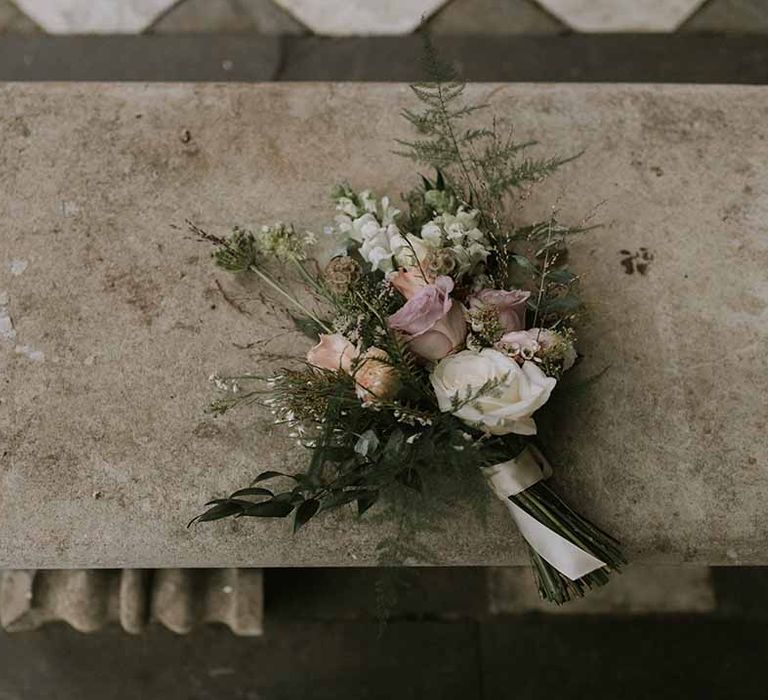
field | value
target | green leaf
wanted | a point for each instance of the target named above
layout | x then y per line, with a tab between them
309	327
268	509
220	510
304	512
524	262
292	497
365	502
561	275
340	498
252	491
395	446
271	475
411	479
565	304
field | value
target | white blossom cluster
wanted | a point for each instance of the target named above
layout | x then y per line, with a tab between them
371	223
460	234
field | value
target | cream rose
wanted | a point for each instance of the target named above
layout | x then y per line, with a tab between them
507	408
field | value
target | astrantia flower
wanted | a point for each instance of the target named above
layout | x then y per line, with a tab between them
513	392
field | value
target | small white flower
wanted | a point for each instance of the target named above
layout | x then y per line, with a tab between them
433	233
347	206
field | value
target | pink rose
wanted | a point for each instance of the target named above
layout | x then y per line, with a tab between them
431	322
509	306
409	281
333	352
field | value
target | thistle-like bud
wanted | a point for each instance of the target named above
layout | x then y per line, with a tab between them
341	273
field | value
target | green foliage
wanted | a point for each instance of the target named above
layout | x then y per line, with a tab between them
482	165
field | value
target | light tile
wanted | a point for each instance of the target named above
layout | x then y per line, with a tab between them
493	17
361	17
621	15
94	16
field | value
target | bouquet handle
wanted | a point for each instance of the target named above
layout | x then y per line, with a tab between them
508	479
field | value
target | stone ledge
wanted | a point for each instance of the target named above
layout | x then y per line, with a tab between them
106	452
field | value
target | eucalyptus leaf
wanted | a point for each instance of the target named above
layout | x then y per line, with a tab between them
365	502
252	491
220	510
271	475
304	512
268	509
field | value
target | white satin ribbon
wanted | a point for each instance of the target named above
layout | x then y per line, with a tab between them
510	478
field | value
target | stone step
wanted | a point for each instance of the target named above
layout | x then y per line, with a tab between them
118	318
89	599
638	591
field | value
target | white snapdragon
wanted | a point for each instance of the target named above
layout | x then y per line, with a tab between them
381	243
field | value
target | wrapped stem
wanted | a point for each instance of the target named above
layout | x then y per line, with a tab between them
542	503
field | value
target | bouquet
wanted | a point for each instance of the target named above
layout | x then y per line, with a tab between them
440	329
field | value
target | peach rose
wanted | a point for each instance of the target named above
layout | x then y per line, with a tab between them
409	281
375	377
333	352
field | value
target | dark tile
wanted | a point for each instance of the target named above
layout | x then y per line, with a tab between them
729	16
664	658
546	58
569	58
180	57
410	661
741	591
13	20
434	593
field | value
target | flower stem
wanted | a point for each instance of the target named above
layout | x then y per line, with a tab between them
271	282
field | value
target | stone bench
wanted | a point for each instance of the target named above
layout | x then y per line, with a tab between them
112	317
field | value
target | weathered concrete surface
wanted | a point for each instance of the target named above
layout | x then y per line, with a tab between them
118	320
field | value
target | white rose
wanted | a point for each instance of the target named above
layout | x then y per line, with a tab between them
507	408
